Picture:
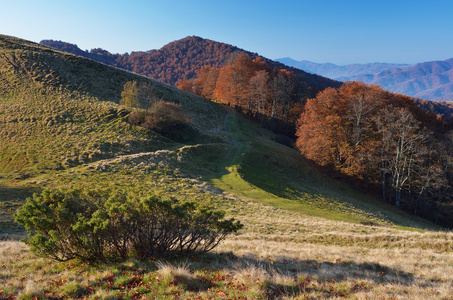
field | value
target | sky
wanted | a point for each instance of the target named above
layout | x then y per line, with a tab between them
336	31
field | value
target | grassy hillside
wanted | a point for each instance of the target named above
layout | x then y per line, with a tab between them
305	235
52	125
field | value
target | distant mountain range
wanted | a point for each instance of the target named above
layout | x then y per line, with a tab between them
429	80
342	73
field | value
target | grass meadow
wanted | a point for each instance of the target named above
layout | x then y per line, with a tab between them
279	255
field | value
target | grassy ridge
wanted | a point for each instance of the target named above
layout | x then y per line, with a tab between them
270	173
59	115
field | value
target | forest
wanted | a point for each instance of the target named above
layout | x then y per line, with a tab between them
385	141
269	95
442	108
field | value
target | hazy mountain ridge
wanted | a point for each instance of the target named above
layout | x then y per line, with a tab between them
341	73
429	80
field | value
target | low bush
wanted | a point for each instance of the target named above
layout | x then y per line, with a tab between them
104	226
162	117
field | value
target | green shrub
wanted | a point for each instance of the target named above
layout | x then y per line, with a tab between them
105	226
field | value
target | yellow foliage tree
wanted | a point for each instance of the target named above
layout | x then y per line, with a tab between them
129	95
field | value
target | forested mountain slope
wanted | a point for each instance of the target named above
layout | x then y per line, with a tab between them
181	59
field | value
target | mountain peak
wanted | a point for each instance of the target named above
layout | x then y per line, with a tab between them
181	59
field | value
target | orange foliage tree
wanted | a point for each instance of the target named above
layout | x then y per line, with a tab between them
335	128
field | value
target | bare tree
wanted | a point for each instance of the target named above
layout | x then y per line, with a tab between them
259	94
402	148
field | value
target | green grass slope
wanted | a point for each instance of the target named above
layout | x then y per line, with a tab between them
59	113
59	110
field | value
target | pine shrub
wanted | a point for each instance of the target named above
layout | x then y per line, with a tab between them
105	226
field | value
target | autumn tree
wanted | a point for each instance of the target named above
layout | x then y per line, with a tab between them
186	85
129	95
282	96
232	81
321	134
431	179
406	141
206	81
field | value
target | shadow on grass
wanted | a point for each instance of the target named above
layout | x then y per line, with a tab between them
301	277
17	194
11	198
277	279
246	277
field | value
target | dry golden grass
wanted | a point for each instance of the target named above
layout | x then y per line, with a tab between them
292	262
339	259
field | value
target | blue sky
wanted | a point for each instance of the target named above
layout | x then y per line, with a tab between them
337	31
